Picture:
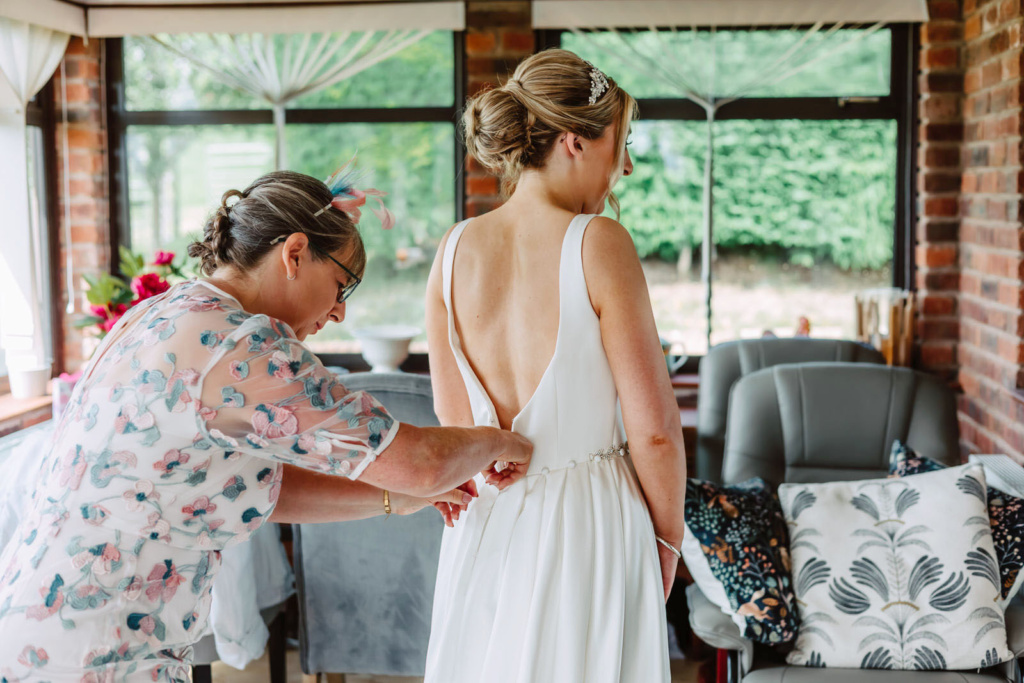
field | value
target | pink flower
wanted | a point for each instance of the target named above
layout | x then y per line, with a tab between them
147	285
129	420
53	598
280	365
201	303
163	258
200	506
163	581
313	444
238	370
72	470
184	398
134	588
189	376
95	514
99	558
172	459
33	656
105	676
272	422
159	529
207	414
147	624
137	496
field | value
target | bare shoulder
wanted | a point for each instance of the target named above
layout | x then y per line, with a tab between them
608	245
606	239
434	279
610	262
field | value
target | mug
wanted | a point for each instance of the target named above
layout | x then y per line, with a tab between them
675	364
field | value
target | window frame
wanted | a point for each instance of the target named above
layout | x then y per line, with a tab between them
41	113
898	105
119	118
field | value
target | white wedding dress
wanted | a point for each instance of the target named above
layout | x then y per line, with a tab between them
557	578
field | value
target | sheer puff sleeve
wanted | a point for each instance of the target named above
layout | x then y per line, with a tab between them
266	394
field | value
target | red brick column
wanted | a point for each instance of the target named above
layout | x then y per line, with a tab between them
991	347
86	154
498	36
939	161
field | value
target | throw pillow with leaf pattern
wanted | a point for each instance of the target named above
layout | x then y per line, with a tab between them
735	549
896	573
1005	515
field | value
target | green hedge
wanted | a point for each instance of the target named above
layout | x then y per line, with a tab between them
810	190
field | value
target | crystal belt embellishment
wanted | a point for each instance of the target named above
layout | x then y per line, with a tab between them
613	452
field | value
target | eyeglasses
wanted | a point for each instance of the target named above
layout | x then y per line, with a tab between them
345	291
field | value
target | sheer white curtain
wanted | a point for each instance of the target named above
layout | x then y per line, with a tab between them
29	55
283	67
688	62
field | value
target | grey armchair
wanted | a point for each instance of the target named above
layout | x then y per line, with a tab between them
726	363
366	588
816	422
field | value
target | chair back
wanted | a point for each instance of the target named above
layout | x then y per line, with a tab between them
366	588
818	422
726	363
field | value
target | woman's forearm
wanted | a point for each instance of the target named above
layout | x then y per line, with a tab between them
310	497
425	461
660	463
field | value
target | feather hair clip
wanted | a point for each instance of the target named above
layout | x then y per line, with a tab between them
348	199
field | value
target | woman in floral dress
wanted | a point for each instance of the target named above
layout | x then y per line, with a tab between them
201	416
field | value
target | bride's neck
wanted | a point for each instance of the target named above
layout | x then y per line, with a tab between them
539	187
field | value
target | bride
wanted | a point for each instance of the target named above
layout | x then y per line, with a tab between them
539	321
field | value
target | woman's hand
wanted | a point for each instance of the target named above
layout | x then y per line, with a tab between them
513	463
449	504
669	564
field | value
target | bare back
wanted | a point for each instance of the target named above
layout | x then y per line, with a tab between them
505	298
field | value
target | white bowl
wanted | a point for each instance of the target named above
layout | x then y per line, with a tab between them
385	347
29	383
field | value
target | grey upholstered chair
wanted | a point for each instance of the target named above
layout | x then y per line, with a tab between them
366	588
816	422
726	363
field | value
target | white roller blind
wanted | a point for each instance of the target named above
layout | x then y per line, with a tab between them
107	22
192	17
52	14
644	13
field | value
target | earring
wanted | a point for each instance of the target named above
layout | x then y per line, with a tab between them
291	277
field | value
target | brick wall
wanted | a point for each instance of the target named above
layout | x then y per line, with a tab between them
939	158
991	257
87	181
498	36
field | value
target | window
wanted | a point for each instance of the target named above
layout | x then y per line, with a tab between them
187	138
39	148
809	202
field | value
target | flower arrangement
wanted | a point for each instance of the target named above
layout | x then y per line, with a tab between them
110	297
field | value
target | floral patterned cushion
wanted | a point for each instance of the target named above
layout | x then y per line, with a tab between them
1005	514
735	548
895	573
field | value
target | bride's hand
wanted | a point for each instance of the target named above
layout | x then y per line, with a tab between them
513	463
669	564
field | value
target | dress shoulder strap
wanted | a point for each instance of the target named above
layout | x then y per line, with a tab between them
449	262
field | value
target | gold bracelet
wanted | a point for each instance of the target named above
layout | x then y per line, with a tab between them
387	504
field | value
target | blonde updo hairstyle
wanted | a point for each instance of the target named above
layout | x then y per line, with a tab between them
240	233
514	127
